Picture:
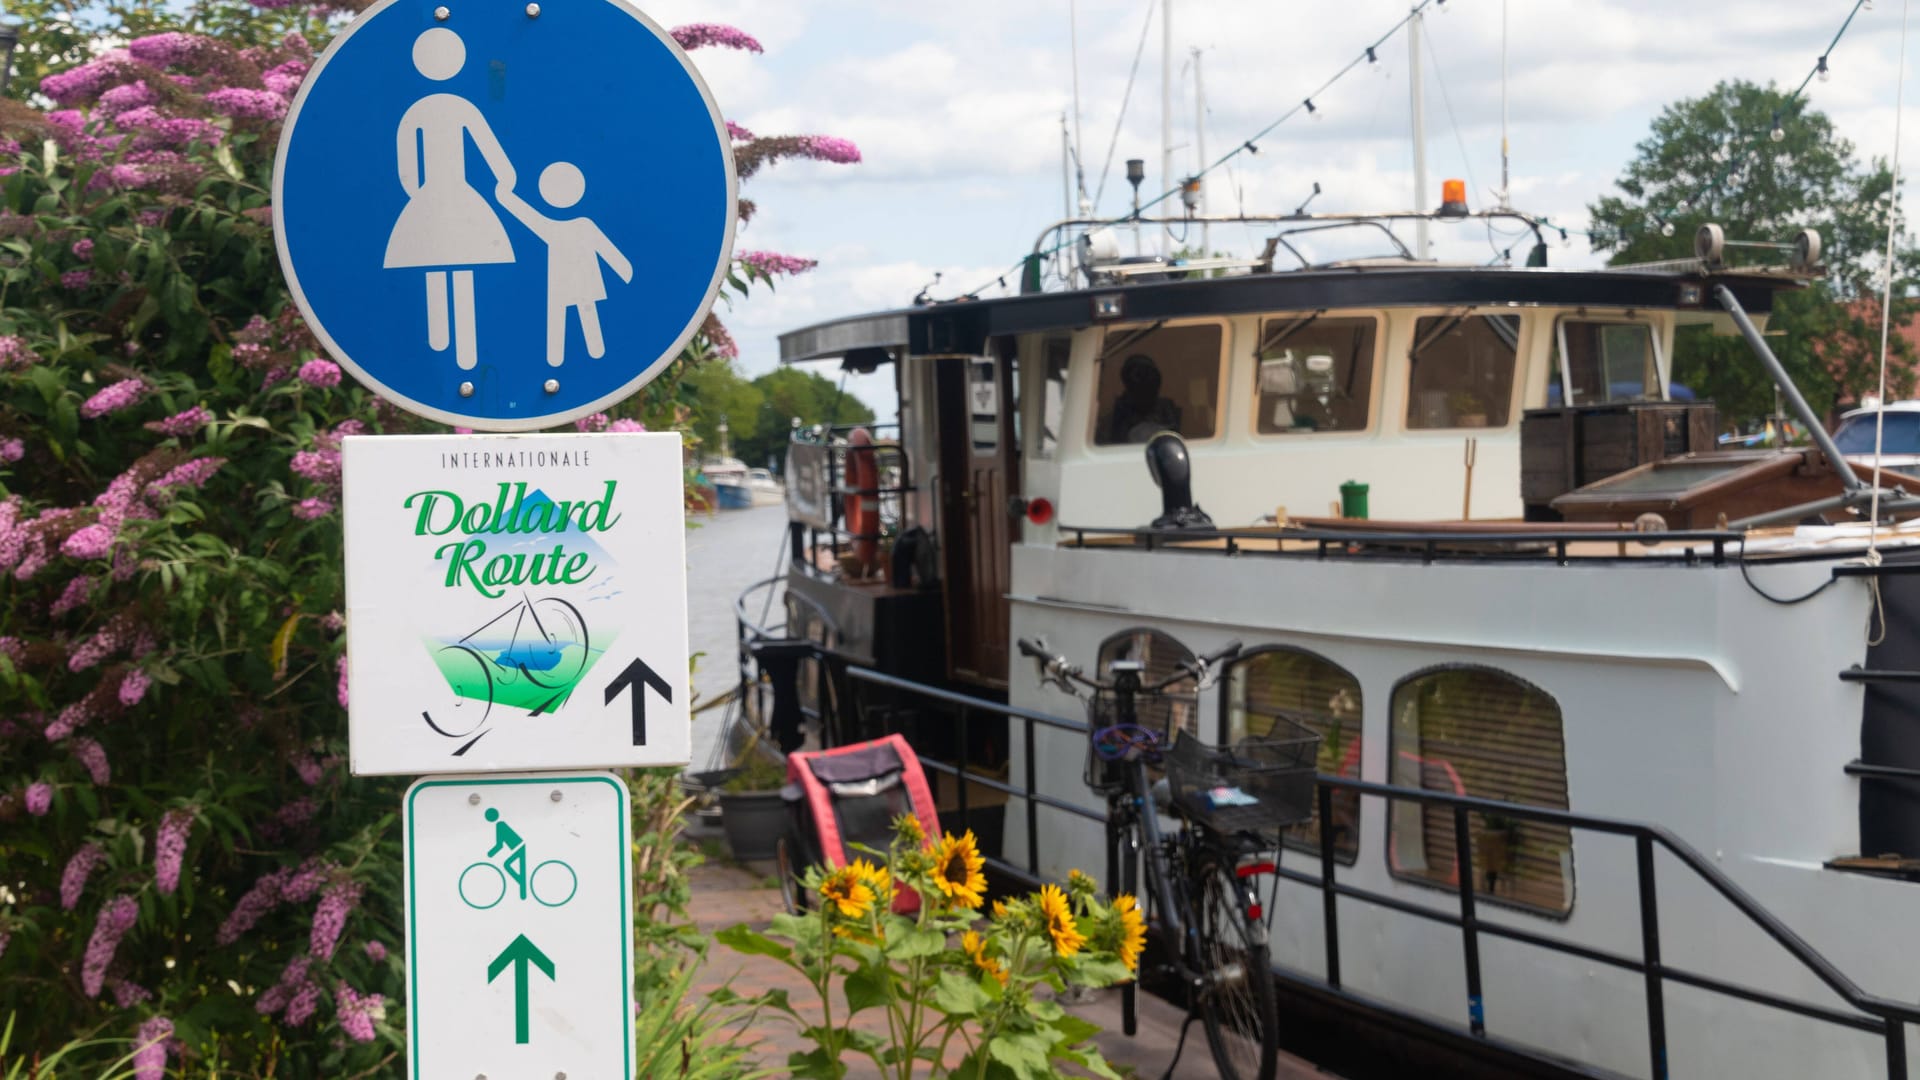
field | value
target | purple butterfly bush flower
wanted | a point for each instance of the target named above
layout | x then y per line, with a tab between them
319	466
771	263
330	917
623	425
182	424
113	398
739	133
264	896
306	881
92	542
86	82
333	622
829	148
133	687
120	99
376	952
321	373
95	649
150	1058
170	48
309	769
341	690
243	103
311	509
83	250
357	1012
39	798
306	1000
293	981
296	813
76	279
116	918
191	475
127	993
15	353
77	592
73	880
596	422
170	849
94	758
12	450
701	35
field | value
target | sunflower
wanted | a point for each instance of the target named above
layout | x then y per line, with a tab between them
1133	931
976	949
907	828
1067	938
957	870
877	878
847	890
1080	885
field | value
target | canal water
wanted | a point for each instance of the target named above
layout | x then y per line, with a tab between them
726	552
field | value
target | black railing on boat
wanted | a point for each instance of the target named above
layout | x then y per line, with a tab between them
1883	1017
1429	545
818	489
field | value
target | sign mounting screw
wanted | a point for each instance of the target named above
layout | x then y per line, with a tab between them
473	799
556	798
553	386
533	12
441	14
466	389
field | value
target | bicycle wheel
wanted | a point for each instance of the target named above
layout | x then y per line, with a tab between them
1243	1024
792	893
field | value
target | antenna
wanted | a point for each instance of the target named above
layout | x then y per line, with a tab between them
1504	187
1422	248
922	298
1079	149
1302	208
1166	115
1200	152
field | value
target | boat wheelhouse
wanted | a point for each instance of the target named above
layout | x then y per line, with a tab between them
1619	768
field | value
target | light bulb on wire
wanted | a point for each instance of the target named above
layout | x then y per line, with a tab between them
1312	112
1821	70
1666	228
1778	134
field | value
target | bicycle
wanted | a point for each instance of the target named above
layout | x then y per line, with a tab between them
1201	892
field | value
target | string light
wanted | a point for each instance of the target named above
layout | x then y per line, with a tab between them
1312	113
1821	71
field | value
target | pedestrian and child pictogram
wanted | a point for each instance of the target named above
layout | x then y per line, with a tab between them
504	216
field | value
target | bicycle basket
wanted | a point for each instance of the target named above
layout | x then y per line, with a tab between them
1102	775
1255	785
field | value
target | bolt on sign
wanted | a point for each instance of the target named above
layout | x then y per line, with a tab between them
515	602
519	927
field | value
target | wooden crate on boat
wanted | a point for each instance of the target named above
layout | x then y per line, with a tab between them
1565	448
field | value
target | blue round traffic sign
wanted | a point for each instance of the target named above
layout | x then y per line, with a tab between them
504	216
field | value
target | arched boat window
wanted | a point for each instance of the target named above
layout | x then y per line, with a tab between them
1162	654
1275	682
1314	375
1158	378
1481	732
1460	371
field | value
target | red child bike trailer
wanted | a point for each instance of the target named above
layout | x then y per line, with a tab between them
845	796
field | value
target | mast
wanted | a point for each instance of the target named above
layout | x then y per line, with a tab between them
1166	110
1079	148
1200	147
1504	188
1421	246
1066	168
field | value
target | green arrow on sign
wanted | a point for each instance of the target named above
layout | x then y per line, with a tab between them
519	953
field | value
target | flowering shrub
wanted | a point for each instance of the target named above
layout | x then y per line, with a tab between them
944	973
190	872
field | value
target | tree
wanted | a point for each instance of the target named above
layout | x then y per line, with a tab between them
1714	159
716	392
791	392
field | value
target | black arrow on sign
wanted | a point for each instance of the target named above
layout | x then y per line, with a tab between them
639	676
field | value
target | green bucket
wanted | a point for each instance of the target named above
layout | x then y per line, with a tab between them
1353	499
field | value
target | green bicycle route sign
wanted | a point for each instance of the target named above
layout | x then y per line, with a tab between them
519	935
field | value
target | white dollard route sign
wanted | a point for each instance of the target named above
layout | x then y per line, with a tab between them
519	947
515	602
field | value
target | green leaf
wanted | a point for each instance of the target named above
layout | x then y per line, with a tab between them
957	995
743	939
916	943
1072	1030
1025	1053
865	988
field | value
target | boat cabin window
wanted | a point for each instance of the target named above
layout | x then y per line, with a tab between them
1461	371
1480	732
1162	654
1603	362
1158	378
1275	684
1315	374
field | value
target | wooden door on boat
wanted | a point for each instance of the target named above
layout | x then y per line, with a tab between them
979	474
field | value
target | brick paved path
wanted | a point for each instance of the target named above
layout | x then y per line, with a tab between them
725	895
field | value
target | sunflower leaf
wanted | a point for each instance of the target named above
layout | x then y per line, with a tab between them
957	995
915	943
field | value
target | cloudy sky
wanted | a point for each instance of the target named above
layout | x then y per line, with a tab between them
957	110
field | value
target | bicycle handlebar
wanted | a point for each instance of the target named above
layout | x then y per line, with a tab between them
1056	667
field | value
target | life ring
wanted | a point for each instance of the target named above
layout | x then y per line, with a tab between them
862	502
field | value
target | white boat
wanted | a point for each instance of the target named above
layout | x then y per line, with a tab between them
1699	671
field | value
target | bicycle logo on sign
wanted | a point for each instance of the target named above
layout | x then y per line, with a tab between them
484	884
529	656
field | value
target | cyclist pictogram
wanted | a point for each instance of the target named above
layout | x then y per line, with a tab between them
484	884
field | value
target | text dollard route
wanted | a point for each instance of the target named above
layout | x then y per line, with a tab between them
443	513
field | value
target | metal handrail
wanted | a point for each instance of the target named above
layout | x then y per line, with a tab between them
1433	544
